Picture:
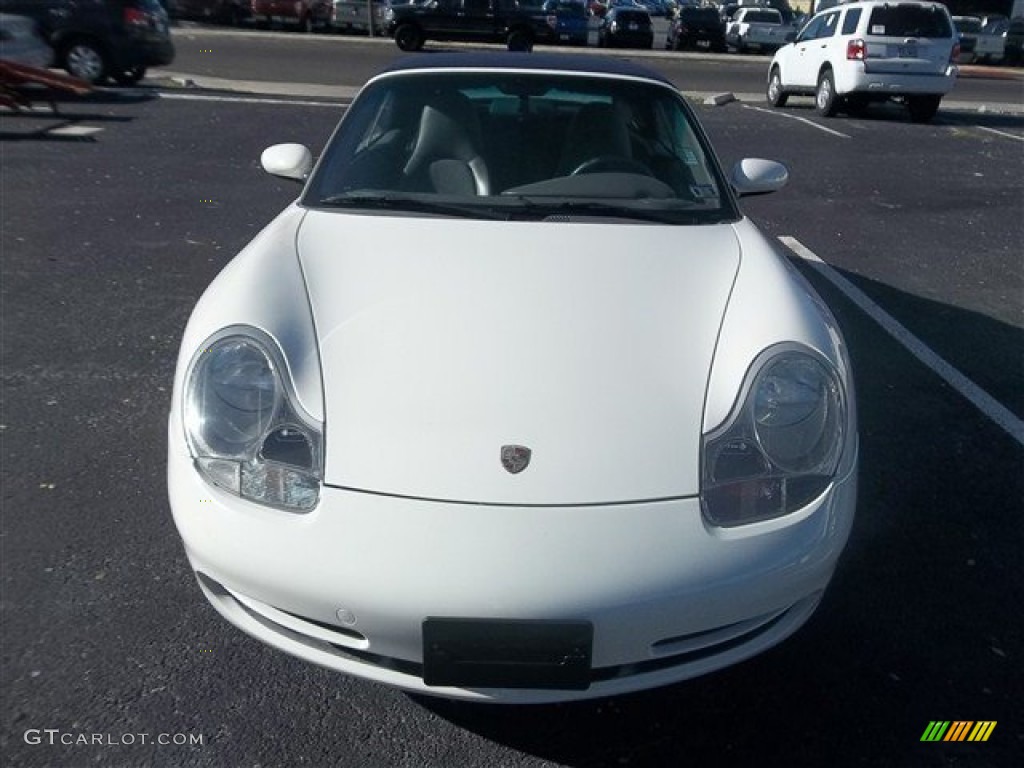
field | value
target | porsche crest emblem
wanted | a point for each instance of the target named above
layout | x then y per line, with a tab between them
515	458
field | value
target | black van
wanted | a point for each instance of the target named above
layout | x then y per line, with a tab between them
97	39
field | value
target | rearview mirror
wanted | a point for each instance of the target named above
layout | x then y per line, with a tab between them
289	161
754	176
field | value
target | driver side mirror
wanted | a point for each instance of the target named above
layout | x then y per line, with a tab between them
289	161
754	176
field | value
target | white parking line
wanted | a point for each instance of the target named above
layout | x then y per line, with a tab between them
983	401
74	131
1000	133
251	100
801	119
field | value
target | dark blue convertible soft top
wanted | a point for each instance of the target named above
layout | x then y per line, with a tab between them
598	65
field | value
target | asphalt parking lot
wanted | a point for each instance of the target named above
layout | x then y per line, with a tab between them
108	239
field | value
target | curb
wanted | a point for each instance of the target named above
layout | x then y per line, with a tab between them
180	80
719	99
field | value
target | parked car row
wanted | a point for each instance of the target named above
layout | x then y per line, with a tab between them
760	26
306	15
989	39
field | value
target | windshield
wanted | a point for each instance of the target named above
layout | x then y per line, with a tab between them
514	145
967	25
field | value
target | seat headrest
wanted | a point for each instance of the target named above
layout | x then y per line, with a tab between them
449	128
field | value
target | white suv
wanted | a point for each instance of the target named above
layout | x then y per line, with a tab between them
870	50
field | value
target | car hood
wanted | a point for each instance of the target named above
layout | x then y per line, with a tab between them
442	341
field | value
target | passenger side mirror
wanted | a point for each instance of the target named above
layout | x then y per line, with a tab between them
289	161
754	176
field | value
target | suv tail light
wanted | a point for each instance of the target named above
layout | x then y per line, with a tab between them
552	20
856	50
134	17
955	53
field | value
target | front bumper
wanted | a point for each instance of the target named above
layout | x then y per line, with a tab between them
349	585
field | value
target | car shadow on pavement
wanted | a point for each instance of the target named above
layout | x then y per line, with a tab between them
138	94
55	127
981	119
56	116
919	623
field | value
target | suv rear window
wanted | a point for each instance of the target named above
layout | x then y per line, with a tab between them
630	17
967	25
909	21
766	17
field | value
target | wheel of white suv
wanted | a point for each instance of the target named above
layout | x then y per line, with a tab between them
825	100
776	96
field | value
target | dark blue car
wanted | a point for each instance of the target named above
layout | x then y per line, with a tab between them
570	21
626	27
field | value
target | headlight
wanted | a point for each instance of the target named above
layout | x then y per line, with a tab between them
244	428
781	447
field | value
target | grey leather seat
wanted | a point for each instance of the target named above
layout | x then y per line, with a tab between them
446	155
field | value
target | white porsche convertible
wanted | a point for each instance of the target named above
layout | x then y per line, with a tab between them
513	403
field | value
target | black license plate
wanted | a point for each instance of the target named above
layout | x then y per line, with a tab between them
507	653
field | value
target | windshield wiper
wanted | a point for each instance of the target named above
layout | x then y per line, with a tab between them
392	202
588	208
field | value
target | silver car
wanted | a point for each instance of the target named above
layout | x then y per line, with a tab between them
21	42
355	16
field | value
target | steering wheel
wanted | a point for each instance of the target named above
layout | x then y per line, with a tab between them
611	164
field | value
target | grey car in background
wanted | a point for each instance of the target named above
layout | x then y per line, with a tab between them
21	42
355	16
